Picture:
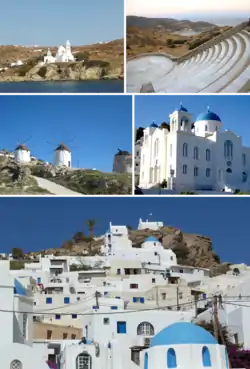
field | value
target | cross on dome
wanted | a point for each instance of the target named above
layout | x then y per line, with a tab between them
208	108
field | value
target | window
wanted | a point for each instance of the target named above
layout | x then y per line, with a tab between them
105	321
65	335
185	149
48	300
171	358
84	361
196	153
133	286
49	334
205	127
156	147
208	172
244	159
181	271
206	360
73	336
228	150
57	317
118	271
196	171
145	329
16	364
153	280
66	300
208	155
146	361
164	295
142	300
184	169
38	280
113	307
121	327
74	316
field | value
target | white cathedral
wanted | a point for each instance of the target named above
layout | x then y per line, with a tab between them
63	55
188	156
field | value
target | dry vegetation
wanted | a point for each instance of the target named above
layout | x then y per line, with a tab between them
146	40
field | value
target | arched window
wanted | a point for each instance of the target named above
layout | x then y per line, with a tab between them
228	150
226	359
171	358
185	149
146	361
84	361
229	170
16	364
171	150
206	360
205	127
196	171
208	172
196	153
208	155
244	159
244	176
145	329
184	169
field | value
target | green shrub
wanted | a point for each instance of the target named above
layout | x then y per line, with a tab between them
97	63
82	56
187	193
42	72
22	71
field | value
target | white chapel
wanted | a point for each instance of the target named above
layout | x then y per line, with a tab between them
63	55
190	155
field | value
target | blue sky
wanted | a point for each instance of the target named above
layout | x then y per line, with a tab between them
52	22
233	110
92	126
44	223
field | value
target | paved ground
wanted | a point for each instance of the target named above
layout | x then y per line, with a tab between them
54	188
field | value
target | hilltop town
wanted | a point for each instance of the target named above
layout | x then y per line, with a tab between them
122	297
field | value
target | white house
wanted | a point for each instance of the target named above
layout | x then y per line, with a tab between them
62	156
22	154
194	156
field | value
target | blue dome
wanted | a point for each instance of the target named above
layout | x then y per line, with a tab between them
208	115
181	108
151	239
19	289
153	125
183	333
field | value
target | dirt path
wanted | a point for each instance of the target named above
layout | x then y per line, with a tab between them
54	188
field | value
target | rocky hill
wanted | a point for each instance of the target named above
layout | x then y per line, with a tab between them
190	249
169	24
99	61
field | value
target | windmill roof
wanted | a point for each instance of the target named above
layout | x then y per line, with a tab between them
123	152
62	147
22	147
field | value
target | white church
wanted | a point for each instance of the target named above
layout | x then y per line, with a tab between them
189	155
63	55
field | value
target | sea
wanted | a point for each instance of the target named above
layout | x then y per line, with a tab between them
74	87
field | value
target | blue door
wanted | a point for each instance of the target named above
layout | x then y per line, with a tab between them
121	327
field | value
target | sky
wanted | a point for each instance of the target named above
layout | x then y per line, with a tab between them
93	127
53	22
165	8
39	223
233	110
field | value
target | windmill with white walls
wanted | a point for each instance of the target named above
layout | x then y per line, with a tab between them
62	156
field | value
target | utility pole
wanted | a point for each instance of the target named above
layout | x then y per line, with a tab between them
215	318
97	299
177	298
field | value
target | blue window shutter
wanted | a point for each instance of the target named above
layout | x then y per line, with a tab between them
113	307
142	300
38	280
134	299
206	357
95	307
146	361
122	327
66	300
171	358
48	300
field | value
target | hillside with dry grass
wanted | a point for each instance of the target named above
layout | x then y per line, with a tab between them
146	40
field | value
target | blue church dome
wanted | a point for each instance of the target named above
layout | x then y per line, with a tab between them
181	108
183	333
208	115
151	239
19	289
153	125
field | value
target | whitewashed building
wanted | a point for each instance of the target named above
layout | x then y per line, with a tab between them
63	55
194	156
22	154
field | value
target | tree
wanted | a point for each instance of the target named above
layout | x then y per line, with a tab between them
91	225
129	228
78	237
17	253
82	56
68	245
236	271
165	125
139	133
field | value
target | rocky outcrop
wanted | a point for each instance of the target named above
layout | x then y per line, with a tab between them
77	71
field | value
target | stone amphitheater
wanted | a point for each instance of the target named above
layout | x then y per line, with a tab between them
221	65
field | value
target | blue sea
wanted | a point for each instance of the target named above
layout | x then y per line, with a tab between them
74	87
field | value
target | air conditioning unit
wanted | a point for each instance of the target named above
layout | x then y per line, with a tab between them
146	341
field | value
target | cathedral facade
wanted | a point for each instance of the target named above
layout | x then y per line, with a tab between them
190	156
